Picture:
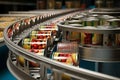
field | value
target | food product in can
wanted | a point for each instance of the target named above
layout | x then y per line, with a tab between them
118	39
99	3
40	34
33	64
78	17
104	18
20	60
1	34
68	58
86	38
74	36
38	51
91	21
110	40
109	3
34	43
97	39
114	22
74	22
67	47
58	4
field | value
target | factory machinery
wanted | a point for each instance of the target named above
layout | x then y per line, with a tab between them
29	61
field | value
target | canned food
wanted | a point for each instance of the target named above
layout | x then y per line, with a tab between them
99	3
33	64
78	17
20	60
34	43
109	3
104	19
58	4
68	4
67	47
74	22
68	58
1	34
76	25
114	22
97	39
91	21
38	51
86	38
118	39
110	40
74	36
40	34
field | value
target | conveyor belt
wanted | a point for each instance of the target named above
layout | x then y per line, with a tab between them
45	63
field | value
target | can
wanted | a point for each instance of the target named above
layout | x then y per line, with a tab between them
86	38
104	18
68	4
1	34
67	58
78	17
99	4
110	40
41	34
37	51
114	22
109	3
67	47
58	4
118	39
20	61
97	39
74	22
91	21
29	43
74	36
53	29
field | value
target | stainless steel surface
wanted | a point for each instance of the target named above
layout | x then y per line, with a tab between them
100	54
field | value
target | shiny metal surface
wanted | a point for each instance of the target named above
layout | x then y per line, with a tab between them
60	68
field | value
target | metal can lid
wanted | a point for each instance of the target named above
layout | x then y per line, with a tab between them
107	17
76	25
117	20
74	21
78	17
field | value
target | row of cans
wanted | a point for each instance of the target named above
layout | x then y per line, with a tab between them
104	3
93	38
37	42
85	38
95	21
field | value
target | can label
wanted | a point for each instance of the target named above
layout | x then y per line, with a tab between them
67	47
34	43
40	34
118	39
74	36
97	39
68	58
86	38
38	51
